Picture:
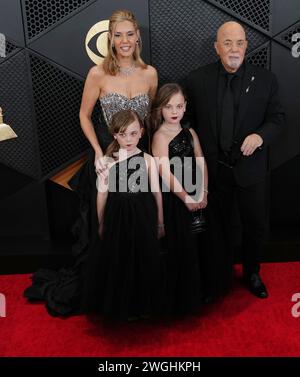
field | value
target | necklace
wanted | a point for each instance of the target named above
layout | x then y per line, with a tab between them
127	71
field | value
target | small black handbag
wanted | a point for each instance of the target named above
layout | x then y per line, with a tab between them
197	222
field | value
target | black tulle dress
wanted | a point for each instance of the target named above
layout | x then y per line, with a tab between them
198	266
123	273
184	291
62	290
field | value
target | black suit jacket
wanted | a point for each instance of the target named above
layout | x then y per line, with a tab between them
259	112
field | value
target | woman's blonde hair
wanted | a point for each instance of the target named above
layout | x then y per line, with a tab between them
110	63
119	123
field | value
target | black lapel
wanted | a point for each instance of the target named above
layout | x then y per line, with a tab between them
211	89
248	90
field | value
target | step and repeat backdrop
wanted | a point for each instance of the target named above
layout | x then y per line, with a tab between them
47	48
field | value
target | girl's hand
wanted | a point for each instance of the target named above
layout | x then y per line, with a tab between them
191	204
203	202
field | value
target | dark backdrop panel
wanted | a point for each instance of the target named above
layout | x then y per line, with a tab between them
24	214
12	181
22	152
255	12
42	16
261	56
57	96
11	20
284	14
285	37
287	69
285	197
11	48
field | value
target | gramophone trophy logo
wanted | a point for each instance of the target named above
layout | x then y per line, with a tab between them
6	132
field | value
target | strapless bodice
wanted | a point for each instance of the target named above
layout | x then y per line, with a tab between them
111	103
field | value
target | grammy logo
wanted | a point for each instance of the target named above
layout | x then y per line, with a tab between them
6	132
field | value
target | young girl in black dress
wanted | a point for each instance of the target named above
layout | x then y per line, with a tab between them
180	157
123	269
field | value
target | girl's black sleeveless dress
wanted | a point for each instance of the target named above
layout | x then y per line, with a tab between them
123	269
183	293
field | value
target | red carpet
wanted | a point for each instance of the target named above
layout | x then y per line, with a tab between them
239	325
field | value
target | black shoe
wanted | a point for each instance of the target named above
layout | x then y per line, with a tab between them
256	286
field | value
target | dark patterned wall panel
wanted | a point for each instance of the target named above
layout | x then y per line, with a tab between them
24	213
11	20
57	97
287	71
15	98
285	13
286	36
256	12
42	14
8	47
260	57
183	33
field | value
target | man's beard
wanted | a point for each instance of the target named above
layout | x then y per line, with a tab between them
234	62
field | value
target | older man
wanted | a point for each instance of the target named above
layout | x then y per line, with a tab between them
234	108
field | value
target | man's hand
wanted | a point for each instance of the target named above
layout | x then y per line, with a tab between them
251	143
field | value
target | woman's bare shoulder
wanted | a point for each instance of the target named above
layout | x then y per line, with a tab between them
150	71
96	72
